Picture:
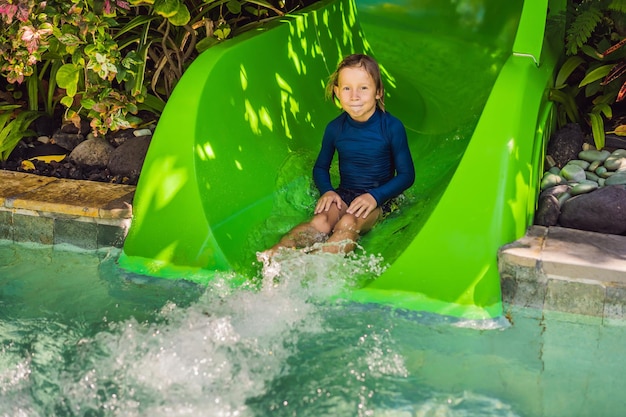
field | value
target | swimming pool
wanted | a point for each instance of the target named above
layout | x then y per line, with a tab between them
80	337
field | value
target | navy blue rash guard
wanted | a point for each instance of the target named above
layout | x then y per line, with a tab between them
374	156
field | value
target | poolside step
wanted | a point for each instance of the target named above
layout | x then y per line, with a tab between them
568	270
49	210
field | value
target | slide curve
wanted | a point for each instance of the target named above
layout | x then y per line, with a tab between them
229	167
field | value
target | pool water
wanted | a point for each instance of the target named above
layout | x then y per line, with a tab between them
80	337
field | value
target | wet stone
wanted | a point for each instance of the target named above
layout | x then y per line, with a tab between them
615	162
550	180
616	179
580	163
572	172
584	187
592	155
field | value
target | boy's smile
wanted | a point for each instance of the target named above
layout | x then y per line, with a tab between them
357	93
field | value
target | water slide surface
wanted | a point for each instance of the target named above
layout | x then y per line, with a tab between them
229	167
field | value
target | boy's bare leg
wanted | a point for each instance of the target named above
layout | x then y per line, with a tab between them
300	236
350	229
306	234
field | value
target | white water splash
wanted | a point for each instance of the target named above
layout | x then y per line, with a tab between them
209	358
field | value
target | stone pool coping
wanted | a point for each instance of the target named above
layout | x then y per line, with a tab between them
550	268
49	210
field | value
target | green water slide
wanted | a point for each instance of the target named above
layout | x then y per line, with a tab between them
229	167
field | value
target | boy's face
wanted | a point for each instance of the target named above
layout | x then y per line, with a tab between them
357	93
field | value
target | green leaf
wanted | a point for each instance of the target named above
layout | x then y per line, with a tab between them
166	8
152	103
581	28
182	16
138	21
591	52
234	6
67	77
595	75
566	70
597	128
87	103
567	102
67	101
222	33
206	43
14	131
603	108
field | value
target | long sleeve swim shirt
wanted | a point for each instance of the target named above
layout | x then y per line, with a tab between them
374	156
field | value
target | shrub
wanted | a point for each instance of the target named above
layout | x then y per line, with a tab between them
593	77
104	60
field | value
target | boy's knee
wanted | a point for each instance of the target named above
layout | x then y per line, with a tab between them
321	224
347	223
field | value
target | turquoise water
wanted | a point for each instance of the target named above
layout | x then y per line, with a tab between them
79	337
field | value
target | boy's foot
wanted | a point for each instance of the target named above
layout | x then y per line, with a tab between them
265	256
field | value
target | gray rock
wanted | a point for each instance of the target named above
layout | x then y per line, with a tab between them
602	211
67	141
92	152
127	159
548	209
120	136
565	144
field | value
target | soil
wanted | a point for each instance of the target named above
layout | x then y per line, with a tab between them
68	170
31	147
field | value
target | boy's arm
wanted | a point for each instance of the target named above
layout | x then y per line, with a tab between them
321	169
403	162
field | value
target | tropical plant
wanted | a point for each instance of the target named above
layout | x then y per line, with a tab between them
593	77
14	125
105	60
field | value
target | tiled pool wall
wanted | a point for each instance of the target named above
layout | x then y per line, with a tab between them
53	229
566	270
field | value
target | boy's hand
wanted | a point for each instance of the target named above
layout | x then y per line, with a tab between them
327	200
363	205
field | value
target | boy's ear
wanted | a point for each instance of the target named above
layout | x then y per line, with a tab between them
336	90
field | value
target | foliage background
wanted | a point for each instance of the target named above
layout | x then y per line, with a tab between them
105	60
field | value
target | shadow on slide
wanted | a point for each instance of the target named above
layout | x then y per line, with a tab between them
229	168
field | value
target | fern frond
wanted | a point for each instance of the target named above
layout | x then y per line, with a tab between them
618	5
581	29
